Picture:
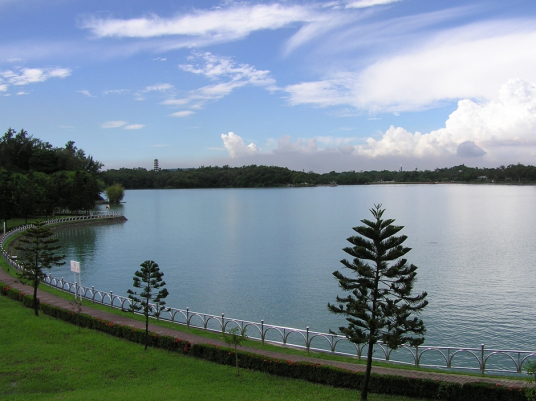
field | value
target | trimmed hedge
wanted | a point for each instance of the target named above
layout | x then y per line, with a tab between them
322	374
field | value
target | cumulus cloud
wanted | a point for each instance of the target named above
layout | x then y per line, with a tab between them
469	149
495	132
236	147
506	124
134	126
113	124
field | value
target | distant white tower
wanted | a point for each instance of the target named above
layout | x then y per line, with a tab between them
156	168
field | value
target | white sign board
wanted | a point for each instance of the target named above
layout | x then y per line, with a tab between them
75	266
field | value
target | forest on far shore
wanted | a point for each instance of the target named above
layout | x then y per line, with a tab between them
254	176
37	178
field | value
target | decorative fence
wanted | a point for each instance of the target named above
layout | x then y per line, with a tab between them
480	359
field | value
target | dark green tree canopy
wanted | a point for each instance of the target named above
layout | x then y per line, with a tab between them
379	305
37	178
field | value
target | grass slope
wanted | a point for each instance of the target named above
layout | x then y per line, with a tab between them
45	359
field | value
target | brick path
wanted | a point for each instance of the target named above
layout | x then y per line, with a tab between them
194	339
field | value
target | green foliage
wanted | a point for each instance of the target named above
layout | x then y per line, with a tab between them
37	178
115	193
149	278
235	337
271	176
38	251
530	368
379	304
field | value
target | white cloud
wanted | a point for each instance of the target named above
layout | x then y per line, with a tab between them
183	113
493	129
175	102
134	126
219	24
85	93
490	133
369	3
113	124
26	76
22	93
464	62
236	147
218	68
158	88
116	91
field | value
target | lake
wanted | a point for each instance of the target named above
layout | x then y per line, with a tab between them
270	253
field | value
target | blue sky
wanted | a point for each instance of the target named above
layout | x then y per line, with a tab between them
329	85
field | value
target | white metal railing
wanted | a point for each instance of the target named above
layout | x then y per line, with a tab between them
438	357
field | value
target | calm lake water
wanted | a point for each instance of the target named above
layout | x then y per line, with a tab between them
269	253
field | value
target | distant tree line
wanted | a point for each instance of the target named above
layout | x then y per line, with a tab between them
39	179
254	176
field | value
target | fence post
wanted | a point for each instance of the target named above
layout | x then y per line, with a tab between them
262	331
222	324
482	364
307	340
187	317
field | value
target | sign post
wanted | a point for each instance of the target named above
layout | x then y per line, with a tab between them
75	268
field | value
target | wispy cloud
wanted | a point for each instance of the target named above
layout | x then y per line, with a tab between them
223	23
116	91
26	76
369	3
183	113
218	68
113	124
140	95
85	93
454	64
121	124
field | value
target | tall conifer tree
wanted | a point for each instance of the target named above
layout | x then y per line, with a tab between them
149	278
379	304
38	254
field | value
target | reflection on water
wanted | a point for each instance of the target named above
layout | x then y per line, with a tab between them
269	253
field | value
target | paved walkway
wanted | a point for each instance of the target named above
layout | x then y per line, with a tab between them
124	320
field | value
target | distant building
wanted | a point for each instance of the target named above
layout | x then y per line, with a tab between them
156	167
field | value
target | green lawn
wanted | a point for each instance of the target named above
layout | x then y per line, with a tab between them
46	359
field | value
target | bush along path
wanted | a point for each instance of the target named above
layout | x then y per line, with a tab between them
411	383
